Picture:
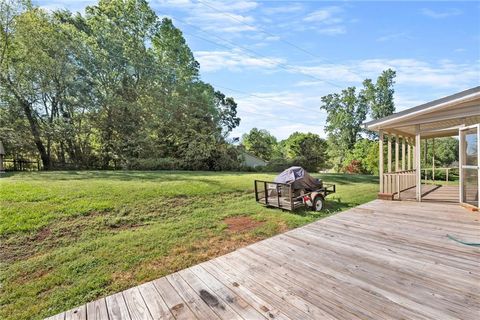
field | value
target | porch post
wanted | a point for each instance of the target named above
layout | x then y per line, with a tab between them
409	155
403	153
433	159
397	146
380	159
414	154
389	155
418	184
461	160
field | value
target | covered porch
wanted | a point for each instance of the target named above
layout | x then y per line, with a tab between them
401	136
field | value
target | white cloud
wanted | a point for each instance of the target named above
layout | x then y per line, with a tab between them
326	15
441	14
291	8
410	72
444	73
216	16
331	31
235	60
72	5
392	36
329	72
281	113
326	21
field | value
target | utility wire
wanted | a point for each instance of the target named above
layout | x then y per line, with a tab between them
284	66
273	35
264	98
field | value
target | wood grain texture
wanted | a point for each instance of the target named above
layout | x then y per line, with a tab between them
380	260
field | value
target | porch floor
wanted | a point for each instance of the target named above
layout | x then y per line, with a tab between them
433	193
380	260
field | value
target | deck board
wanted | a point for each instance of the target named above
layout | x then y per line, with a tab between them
380	260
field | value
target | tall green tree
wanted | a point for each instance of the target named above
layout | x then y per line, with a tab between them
112	87
346	111
308	148
260	143
379	95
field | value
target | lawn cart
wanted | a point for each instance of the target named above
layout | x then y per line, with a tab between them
292	189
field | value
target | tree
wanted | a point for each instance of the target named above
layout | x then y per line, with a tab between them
379	95
345	114
446	152
309	148
35	75
364	155
260	143
348	110
115	87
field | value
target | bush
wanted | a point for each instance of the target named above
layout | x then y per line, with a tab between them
355	166
280	164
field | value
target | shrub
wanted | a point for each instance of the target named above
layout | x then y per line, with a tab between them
355	166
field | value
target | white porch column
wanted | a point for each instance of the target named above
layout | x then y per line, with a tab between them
403	153
418	184
389	155
433	159
409	154
397	155
380	159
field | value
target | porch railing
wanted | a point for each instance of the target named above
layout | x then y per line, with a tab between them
396	182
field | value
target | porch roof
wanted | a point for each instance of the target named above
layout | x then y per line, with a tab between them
438	118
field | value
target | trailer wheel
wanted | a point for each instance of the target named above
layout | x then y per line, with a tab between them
318	203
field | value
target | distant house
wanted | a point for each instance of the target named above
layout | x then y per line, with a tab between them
249	160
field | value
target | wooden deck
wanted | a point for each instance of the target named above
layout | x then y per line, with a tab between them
433	193
381	260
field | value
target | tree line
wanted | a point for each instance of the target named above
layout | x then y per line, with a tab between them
347	141
118	87
348	147
114	87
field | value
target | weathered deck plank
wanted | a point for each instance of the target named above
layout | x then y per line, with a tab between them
381	260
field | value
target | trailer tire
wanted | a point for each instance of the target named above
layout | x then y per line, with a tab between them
318	203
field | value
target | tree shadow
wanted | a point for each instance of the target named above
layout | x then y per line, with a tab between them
344	179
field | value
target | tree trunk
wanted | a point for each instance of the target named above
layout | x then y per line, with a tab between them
36	135
34	128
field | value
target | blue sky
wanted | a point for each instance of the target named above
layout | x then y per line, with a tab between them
278	58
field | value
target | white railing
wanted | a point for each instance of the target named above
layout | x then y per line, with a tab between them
396	182
433	170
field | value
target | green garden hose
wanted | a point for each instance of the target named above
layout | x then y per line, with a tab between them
474	244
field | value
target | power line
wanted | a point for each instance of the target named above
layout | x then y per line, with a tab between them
273	35
284	66
264	98
263	115
236	90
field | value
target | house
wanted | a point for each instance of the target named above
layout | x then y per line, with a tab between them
457	115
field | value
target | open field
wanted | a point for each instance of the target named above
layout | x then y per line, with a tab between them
69	237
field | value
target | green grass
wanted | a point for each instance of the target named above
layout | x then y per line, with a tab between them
67	238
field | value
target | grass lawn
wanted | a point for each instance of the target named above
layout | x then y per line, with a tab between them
67	238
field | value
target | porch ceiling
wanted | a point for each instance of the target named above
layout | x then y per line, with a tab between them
438	118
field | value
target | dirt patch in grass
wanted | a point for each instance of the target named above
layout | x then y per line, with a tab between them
241	224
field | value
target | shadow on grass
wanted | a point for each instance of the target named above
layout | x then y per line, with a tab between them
117	175
343	179
331	206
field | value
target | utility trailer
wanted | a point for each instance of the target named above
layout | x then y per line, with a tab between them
286	197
